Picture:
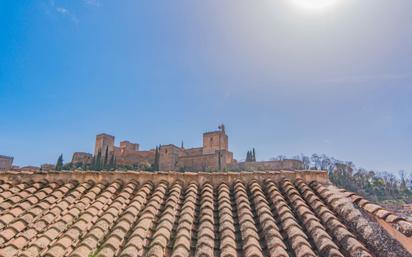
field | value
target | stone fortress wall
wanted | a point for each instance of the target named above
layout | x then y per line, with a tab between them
213	155
271	165
82	158
6	162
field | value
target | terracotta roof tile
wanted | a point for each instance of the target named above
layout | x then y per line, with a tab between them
372	235
276	218
273	238
403	226
296	237
135	244
164	228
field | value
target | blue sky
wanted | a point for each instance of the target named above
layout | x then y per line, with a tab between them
284	80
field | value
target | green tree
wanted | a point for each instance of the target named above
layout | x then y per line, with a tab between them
93	164
251	155
98	161
106	159
67	166
248	156
59	164
112	164
156	164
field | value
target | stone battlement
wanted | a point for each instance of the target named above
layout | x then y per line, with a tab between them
215	178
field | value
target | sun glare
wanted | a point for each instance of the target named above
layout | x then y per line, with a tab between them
314	4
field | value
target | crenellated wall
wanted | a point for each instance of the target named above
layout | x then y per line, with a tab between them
199	178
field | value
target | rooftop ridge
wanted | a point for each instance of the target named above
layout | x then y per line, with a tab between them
214	178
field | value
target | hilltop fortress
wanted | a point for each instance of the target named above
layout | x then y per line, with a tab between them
213	155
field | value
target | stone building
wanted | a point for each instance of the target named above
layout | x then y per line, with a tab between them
104	142
127	154
48	167
213	155
6	162
30	168
82	158
286	164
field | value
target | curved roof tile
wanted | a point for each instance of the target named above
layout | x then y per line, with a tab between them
159	217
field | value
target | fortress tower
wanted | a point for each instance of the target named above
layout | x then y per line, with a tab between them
215	141
126	146
103	142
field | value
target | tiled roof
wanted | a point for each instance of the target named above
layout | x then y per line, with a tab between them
192	216
399	223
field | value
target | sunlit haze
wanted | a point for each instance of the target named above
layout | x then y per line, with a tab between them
315	4
284	77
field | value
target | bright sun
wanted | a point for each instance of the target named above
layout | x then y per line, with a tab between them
314	4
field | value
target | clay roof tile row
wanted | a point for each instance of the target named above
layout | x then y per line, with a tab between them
250	219
399	223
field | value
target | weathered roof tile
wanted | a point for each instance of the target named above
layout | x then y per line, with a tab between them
137	218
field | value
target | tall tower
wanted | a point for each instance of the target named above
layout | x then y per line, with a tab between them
103	142
126	146
215	141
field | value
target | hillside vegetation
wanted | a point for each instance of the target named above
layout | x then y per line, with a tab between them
374	185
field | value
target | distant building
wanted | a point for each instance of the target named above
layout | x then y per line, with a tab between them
80	158
6	162
213	155
104	142
47	167
270	165
128	154
30	168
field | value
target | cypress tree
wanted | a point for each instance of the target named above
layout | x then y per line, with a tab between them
93	164
220	160
106	158
59	164
158	158
112	164
254	155
98	164
155	160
